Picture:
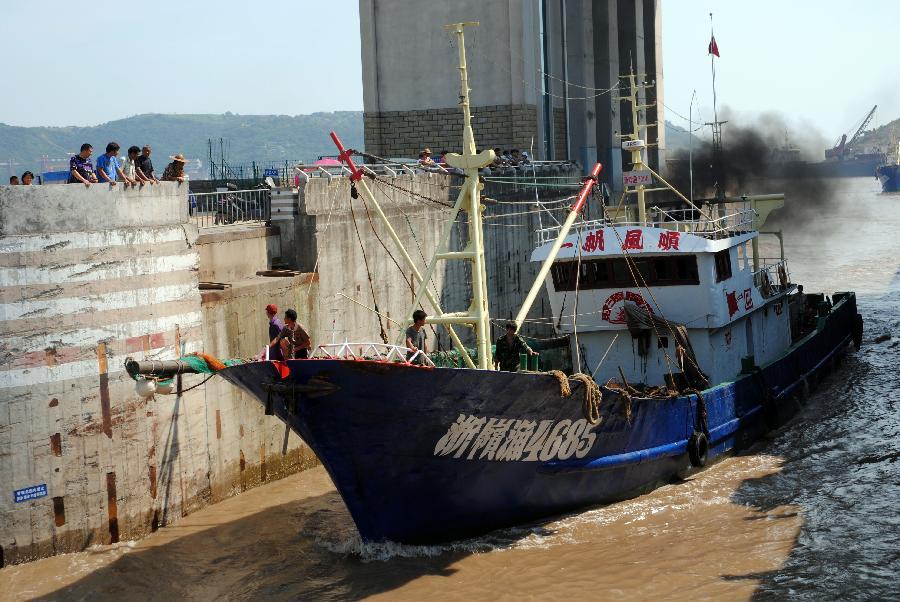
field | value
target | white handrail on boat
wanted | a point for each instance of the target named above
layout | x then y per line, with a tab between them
772	277
378	351
677	219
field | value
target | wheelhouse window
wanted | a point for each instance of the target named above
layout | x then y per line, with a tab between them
672	270
723	265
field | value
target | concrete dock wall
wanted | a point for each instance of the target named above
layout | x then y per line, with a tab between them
88	277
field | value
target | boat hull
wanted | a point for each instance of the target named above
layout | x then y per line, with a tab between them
889	176
424	455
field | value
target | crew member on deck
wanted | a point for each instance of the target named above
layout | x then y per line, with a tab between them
509	346
415	337
294	339
275	328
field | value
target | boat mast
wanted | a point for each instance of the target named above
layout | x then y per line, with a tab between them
356	175
642	174
633	141
469	201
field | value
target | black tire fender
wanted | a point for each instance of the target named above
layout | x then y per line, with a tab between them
698	449
770	413
857	331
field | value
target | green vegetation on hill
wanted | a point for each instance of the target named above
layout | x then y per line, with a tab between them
247	138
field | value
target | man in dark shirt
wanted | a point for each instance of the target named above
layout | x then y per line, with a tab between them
415	338
80	168
509	346
275	328
293	338
145	165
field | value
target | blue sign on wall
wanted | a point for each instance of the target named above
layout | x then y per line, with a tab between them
270	173
30	493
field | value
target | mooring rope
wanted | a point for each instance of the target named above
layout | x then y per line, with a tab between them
564	389
590	405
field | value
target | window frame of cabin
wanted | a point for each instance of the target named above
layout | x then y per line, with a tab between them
613	272
722	261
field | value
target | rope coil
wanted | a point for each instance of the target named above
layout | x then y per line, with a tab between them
590	405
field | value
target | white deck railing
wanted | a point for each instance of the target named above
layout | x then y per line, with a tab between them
371	351
682	220
772	277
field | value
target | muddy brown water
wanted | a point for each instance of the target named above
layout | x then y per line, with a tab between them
810	512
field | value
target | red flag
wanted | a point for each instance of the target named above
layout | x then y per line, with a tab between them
713	47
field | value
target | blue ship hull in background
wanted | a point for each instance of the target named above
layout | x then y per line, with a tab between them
424	455
889	175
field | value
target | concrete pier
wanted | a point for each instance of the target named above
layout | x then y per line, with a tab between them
88	277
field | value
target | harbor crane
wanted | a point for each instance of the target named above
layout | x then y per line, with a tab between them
839	151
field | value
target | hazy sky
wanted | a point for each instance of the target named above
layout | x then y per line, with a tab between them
822	63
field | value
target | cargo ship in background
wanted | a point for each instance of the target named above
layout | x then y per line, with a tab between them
849	157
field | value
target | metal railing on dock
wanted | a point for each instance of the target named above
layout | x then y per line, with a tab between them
209	209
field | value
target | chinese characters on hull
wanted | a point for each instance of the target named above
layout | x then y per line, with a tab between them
512	440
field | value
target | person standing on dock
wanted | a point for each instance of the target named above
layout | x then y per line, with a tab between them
415	338
509	347
80	168
275	328
145	165
109	166
293	338
174	171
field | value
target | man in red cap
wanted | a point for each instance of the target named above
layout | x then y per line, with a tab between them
275	327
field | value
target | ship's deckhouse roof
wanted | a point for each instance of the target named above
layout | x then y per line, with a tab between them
596	239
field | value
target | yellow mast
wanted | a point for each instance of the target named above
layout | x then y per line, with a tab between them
469	201
634	144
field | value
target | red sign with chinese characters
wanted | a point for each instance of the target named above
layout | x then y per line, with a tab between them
616	302
634	240
594	242
668	240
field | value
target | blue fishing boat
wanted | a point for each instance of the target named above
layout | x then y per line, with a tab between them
699	344
889	174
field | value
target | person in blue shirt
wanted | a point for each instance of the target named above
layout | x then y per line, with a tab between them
108	166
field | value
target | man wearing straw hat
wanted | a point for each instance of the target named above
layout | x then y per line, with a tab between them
174	171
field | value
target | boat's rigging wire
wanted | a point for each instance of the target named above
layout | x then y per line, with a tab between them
629	262
362	248
421	254
635	274
603	359
539	89
394	259
324	231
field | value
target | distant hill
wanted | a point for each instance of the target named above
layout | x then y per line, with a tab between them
678	138
883	138
247	138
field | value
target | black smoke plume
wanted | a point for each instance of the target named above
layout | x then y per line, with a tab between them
758	158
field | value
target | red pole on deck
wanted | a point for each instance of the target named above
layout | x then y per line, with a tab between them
347	156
